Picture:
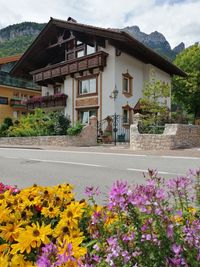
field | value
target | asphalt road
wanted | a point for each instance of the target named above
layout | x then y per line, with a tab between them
82	167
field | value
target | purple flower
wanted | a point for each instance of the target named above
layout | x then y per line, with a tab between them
176	249
91	191
48	257
118	195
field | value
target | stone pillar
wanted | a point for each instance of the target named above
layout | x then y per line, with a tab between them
136	118
93	121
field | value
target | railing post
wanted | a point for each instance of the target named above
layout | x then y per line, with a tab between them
115	128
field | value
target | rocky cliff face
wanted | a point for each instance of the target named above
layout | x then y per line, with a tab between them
156	41
179	48
18	30
16	39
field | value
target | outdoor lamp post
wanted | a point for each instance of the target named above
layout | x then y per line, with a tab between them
113	96
114	93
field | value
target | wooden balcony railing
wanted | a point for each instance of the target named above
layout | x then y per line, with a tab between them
95	60
57	100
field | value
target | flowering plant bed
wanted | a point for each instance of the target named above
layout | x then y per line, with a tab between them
156	224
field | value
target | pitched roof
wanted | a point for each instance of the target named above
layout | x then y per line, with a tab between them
9	59
36	53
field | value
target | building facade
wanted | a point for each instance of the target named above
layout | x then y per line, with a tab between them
95	71
14	91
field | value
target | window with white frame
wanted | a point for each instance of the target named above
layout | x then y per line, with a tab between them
88	86
84	115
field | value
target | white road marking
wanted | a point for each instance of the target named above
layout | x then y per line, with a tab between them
59	161
179	157
68	162
159	172
10	157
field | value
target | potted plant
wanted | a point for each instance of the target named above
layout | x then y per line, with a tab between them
107	137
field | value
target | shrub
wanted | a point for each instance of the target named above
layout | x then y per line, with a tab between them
61	123
7	123
40	124
75	130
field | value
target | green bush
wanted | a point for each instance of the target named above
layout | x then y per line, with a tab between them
75	130
40	124
7	123
61	123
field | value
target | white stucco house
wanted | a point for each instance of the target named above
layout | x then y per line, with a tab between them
80	67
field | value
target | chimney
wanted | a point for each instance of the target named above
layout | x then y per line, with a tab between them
70	19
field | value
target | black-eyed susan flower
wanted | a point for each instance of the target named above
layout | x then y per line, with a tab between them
31	237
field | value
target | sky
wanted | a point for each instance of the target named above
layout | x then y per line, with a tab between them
178	20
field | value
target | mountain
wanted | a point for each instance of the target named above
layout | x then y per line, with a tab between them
15	39
156	41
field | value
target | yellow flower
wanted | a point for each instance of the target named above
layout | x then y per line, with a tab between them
177	218
18	261
4	261
64	192
3	249
50	211
10	231
5	212
192	210
31	237
62	229
111	218
77	251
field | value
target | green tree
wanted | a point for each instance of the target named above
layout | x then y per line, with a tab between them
186	91
154	102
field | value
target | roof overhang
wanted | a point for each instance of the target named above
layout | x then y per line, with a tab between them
37	53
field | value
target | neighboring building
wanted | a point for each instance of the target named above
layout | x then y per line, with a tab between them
14	91
87	65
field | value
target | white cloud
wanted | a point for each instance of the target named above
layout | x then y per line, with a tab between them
178	20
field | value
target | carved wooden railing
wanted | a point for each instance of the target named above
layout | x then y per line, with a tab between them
94	60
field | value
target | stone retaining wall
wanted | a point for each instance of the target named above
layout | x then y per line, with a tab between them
87	137
175	136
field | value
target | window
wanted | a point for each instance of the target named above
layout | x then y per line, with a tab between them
126	116
3	100
87	86
57	89
127	84
80	53
90	49
78	43
86	114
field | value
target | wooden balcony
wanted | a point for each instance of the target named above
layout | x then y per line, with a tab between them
18	103
52	101
70	67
